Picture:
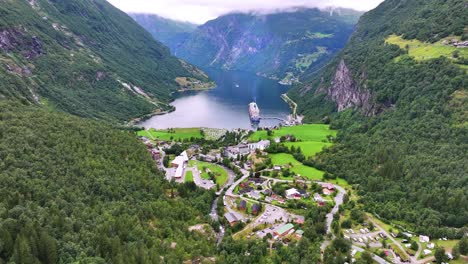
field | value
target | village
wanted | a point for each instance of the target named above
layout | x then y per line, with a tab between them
269	205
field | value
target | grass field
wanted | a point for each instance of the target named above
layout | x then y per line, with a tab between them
174	134
309	132
297	167
425	51
309	148
221	174
188	176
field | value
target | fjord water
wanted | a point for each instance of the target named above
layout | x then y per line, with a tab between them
226	106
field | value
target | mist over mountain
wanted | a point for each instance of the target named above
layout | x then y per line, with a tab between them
283	45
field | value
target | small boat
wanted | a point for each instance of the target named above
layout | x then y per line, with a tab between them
237	86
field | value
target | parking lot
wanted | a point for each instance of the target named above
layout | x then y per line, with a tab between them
274	216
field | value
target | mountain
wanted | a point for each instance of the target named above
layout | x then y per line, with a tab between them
84	57
282	45
397	93
169	32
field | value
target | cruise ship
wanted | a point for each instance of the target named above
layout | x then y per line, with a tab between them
254	112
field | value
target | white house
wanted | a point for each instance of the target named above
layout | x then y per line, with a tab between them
293	193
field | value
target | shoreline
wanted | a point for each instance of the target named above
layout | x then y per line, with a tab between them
133	122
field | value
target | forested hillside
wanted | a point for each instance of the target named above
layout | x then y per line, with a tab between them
283	45
402	113
84	57
77	191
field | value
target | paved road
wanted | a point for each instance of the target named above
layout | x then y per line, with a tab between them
413	259
230	181
374	257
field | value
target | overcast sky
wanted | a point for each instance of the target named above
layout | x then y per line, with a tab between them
200	11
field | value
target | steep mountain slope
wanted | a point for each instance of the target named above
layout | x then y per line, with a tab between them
399	88
169	32
84	57
288	44
78	191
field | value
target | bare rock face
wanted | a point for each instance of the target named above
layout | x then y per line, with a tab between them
15	40
8	40
345	92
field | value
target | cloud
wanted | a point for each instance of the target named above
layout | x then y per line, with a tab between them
200	11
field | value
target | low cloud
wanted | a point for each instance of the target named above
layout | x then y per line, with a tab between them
200	11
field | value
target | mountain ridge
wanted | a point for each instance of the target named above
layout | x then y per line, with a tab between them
402	129
84	57
282	46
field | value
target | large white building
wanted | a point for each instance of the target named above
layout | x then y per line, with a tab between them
180	163
261	145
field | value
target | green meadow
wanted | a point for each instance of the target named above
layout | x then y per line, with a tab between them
309	132
283	159
221	174
171	134
421	51
308	148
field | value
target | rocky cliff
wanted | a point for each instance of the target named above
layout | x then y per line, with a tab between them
345	91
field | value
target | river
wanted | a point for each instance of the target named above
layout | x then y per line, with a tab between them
225	106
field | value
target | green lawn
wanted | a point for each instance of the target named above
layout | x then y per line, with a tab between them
308	132
188	176
176	134
297	167
308	148
222	175
425	51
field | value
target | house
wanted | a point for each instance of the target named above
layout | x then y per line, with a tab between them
299	220
430	245
242	205
328	186
257	181
318	198
231	218
254	194
255	209
303	193
245	190
277	168
277	140
293	193
327	191
299	233
261	145
424	239
155	154
283	230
